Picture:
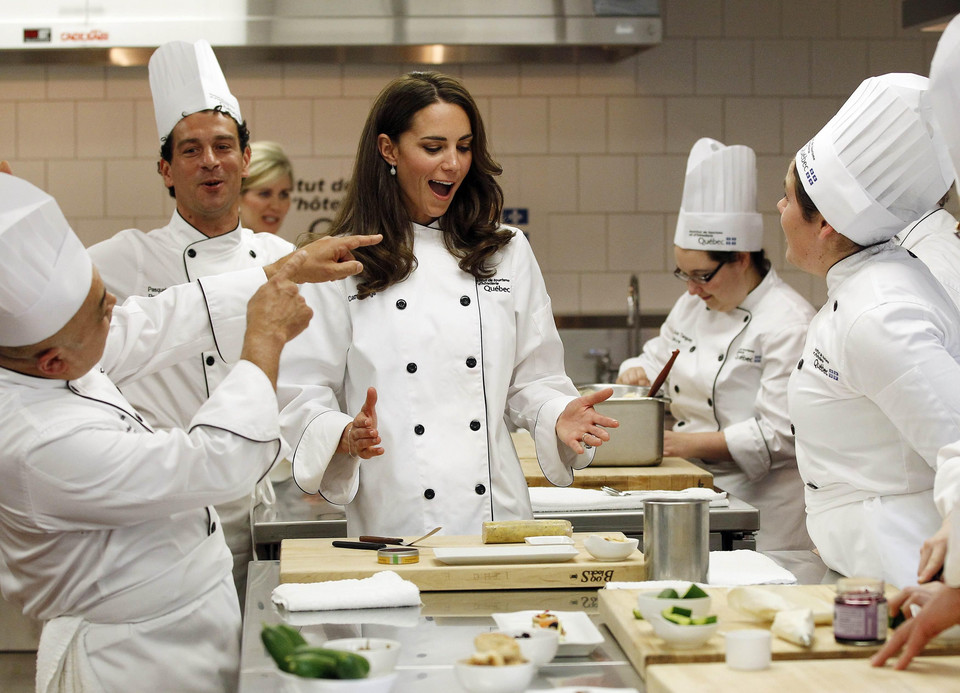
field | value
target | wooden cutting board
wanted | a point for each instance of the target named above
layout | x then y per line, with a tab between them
643	648
317	560
673	474
924	675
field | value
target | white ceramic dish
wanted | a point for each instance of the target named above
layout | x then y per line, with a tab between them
506	553
300	684
682	637
650	605
545	541
539	645
380	652
480	678
580	636
604	549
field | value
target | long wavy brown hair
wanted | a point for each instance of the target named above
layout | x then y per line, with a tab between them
373	203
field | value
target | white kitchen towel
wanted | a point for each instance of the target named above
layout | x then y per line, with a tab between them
400	617
727	569
383	589
555	499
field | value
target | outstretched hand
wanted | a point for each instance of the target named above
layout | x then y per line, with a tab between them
360	437
933	552
328	259
940	611
581	426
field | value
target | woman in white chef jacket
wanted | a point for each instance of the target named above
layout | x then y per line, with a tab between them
446	337
740	330
876	393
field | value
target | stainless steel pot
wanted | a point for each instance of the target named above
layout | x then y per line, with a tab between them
638	442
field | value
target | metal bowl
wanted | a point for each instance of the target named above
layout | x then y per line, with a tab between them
638	442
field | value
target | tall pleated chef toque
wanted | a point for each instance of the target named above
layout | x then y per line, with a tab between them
46	272
719	206
880	162
944	90
185	78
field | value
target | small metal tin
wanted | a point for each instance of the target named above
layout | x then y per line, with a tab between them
398	555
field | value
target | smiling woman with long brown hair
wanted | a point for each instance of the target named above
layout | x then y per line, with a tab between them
446	336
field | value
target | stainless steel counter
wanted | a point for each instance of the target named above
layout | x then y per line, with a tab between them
441	631
296	515
433	639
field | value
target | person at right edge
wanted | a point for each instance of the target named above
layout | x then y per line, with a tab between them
938	600
740	329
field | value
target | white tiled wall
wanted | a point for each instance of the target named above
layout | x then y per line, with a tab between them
595	152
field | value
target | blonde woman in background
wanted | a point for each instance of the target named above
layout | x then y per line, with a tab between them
265	195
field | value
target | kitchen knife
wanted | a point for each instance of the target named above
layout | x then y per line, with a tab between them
369	545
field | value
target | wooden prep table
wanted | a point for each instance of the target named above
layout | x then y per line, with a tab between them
673	474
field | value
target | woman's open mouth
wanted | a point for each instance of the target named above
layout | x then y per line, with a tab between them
441	188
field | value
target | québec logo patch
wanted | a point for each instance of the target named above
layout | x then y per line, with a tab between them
811	176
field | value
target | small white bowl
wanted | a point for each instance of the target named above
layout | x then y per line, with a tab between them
682	637
382	653
650	605
301	684
539	645
482	678
604	549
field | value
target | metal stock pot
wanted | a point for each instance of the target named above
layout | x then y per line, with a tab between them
638	442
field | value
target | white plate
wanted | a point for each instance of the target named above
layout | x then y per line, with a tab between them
507	553
546	541
580	636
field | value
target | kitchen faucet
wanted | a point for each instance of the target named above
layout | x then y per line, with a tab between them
633	317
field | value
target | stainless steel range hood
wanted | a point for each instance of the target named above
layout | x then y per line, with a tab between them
125	32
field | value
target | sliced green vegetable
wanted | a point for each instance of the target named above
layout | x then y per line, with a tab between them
679	619
694	592
703	620
668	593
637	614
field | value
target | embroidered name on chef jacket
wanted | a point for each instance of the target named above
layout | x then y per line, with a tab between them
748	355
155	290
495	285
820	362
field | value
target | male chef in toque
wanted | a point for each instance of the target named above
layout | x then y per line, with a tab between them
106	529
203	160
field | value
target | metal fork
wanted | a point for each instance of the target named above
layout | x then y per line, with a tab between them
610	491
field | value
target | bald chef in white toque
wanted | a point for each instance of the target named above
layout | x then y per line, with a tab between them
877	391
106	527
739	329
203	159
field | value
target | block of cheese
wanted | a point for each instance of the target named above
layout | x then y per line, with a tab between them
515	531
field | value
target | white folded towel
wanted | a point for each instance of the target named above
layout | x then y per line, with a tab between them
383	589
555	499
727	569
401	617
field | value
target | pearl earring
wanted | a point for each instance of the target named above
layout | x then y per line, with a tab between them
393	170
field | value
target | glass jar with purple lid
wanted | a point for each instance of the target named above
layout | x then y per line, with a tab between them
860	612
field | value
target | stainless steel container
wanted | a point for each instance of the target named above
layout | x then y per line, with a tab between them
676	539
638	442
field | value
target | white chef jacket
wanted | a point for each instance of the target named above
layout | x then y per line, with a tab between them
453	359
731	376
934	240
874	397
103	518
134	263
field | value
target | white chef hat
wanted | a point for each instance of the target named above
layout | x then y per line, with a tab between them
879	163
45	272
719	206
185	78
944	90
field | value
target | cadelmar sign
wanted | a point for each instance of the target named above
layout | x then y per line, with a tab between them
92	35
